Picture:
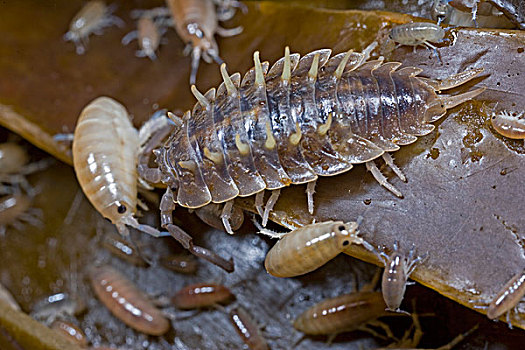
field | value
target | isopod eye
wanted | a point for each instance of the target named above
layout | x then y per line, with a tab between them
121	209
341	228
345	243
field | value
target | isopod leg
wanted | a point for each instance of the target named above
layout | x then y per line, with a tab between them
310	190
152	175
372	167
390	162
226	214
259	198
167	205
268	232
269	206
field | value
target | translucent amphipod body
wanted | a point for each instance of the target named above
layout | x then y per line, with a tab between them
398	268
148	35
94	16
105	149
511	125
506	300
15	210
309	247
196	23
419	33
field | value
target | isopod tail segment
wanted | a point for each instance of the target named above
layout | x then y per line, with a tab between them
151	135
435	111
507	299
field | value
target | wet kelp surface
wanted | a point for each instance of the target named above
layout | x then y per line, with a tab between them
463	203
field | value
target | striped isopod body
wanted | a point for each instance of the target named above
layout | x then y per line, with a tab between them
201	295
344	313
105	150
247	329
126	302
309	247
511	125
306	117
94	16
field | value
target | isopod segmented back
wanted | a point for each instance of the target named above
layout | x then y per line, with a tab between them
305	117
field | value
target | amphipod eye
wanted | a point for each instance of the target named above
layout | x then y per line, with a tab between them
341	228
346	242
121	209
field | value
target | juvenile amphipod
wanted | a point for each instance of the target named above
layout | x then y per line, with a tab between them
398	268
511	125
196	23
70	332
148	35
286	125
506	300
419	33
341	314
94	16
123	250
14	166
15	210
179	263
247	329
126	302
59	305
309	247
201	295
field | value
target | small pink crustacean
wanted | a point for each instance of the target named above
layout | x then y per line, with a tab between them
94	16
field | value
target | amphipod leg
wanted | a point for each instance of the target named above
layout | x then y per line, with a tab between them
372	167
226	214
269	206
310	190
390	162
167	205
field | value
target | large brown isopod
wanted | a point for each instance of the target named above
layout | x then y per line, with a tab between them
301	119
